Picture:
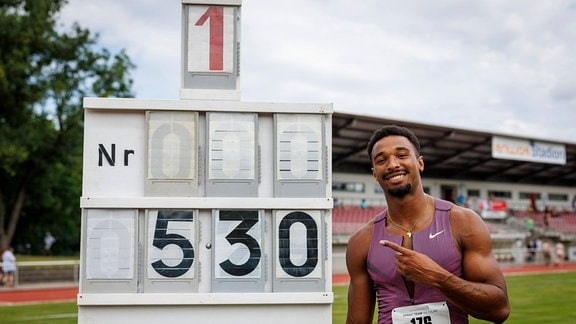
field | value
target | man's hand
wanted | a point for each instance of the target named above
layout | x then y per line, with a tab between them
413	265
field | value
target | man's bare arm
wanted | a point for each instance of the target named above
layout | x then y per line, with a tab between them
361	297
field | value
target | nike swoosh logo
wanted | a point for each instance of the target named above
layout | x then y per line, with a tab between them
434	235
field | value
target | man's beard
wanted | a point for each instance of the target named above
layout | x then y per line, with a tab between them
400	191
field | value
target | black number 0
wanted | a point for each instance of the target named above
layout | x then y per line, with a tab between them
162	239
311	244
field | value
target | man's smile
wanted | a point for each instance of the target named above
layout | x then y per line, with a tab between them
396	177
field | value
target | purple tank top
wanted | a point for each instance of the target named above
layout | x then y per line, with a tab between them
435	241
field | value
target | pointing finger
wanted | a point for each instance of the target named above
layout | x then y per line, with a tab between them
394	246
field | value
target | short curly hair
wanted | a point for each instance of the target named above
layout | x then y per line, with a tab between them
390	130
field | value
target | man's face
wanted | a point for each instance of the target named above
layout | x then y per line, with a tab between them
395	165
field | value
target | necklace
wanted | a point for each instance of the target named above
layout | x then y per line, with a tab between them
408	231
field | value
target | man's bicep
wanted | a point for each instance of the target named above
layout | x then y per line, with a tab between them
479	267
479	263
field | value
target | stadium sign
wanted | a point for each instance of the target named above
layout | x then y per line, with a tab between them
526	150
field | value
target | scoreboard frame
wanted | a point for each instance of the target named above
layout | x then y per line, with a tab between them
260	230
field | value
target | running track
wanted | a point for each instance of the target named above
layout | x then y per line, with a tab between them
44	295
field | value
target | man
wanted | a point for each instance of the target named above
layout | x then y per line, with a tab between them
49	240
8	267
423	260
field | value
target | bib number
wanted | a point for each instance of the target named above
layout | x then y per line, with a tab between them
431	313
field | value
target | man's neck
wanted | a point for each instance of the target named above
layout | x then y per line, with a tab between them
409	207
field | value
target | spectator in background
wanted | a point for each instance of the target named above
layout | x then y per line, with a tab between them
530	225
8	267
461	199
547	217
560	254
531	247
48	242
547	251
363	204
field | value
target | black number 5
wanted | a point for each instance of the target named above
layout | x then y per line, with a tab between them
162	239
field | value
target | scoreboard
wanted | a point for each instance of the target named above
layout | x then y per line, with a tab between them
205	210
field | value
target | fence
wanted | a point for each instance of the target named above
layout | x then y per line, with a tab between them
30	272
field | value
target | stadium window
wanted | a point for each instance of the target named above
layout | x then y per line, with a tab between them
378	189
348	186
473	193
526	195
338	186
496	194
557	197
427	190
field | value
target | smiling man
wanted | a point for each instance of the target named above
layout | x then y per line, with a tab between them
423	259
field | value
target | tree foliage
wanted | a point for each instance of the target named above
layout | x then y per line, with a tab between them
44	74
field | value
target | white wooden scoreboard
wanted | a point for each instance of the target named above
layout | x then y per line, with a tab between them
206	209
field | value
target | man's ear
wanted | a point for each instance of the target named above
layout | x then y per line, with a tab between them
421	163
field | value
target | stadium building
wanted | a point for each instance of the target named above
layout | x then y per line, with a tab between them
524	188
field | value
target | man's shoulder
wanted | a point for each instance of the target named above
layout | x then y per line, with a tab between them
363	234
465	222
462	211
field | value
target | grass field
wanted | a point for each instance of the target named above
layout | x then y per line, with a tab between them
536	298
26	258
65	313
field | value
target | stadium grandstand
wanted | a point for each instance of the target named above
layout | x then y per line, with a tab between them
524	199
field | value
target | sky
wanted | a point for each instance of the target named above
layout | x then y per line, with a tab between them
503	66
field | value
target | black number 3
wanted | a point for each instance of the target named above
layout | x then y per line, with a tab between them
239	235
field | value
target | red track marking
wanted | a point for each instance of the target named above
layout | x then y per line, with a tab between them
14	296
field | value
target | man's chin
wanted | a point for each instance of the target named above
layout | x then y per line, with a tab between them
400	192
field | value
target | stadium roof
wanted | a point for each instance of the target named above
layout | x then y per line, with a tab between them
449	153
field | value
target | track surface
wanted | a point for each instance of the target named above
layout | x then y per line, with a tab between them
27	295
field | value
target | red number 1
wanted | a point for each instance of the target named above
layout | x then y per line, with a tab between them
216	16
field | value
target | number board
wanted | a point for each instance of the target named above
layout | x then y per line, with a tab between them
238	248
186	198
299	247
210	48
238	244
232	154
299	152
220	206
172	161
111	252
171	233
206	154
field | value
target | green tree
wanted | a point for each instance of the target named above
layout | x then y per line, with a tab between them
44	74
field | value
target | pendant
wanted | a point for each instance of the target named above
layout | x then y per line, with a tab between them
409	234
